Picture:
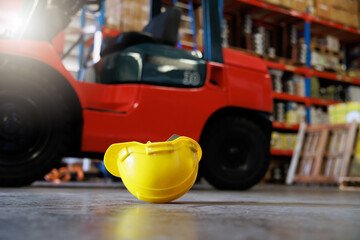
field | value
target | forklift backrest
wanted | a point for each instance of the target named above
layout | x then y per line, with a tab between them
162	29
165	26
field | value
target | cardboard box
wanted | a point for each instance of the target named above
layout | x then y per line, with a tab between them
345	17
127	15
287	3
338	11
323	8
352	20
299	5
350	6
339	16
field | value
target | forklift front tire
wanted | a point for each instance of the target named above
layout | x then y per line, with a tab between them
235	154
34	126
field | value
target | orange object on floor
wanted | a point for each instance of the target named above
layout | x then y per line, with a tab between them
65	174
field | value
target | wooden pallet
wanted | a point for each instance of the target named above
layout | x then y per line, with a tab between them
324	50
322	153
349	183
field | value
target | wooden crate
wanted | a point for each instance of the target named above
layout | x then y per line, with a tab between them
322	153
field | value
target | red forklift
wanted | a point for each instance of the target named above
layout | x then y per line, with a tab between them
143	89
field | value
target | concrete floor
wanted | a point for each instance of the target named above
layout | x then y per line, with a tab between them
266	212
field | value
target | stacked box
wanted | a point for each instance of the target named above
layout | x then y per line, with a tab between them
322	62
332	43
342	11
344	112
283	141
127	15
259	41
279	112
287	3
354	93
350	6
298	5
339	15
318	116
323	8
290	113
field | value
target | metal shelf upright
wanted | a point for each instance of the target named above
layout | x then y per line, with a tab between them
307	36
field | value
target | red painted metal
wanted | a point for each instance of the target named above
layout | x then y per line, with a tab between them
248	81
322	102
335	77
150	117
289	97
285	126
286	67
326	75
280	152
139	112
126	112
110	32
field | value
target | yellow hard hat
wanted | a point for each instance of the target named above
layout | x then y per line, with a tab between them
155	172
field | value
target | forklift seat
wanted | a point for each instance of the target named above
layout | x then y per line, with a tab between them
165	26
162	29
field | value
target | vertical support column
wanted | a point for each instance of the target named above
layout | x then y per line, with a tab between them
102	15
212	32
81	45
307	34
308	91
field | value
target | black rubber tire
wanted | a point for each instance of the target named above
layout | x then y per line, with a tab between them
34	126
236	154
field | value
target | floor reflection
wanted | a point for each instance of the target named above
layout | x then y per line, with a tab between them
149	221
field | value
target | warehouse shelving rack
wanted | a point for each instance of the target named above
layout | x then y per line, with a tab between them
312	25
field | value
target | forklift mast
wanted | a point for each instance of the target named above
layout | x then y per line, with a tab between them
212	27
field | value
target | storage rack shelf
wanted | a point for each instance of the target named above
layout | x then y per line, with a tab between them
311	25
284	126
311	72
289	97
286	67
269	7
306	100
293	13
322	102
